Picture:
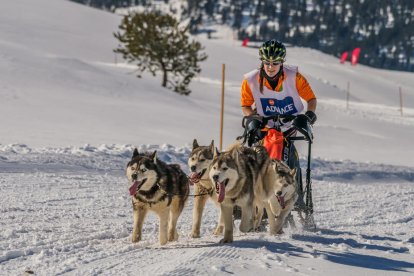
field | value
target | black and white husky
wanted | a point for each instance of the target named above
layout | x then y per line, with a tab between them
158	187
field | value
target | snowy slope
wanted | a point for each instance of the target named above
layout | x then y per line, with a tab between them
60	87
71	117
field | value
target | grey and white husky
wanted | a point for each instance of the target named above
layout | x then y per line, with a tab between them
285	194
234	173
246	177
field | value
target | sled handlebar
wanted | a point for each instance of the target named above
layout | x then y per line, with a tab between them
265	120
301	124
285	118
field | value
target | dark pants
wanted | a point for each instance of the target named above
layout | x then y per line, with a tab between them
291	158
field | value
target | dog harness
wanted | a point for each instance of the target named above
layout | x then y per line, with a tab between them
145	196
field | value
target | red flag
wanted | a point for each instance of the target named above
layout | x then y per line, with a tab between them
355	56
245	41
344	57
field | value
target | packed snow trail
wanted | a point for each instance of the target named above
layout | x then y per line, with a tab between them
67	210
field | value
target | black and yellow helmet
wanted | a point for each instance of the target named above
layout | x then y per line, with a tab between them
272	50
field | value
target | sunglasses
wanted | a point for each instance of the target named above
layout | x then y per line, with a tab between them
273	63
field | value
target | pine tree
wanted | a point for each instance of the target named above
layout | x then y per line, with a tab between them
157	44
237	10
209	7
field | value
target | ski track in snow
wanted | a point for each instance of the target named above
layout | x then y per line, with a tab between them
67	211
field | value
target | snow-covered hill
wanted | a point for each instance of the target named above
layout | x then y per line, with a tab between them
71	117
60	86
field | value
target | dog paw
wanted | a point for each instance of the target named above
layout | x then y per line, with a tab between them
172	236
218	231
277	232
246	228
226	240
136	238
195	235
260	228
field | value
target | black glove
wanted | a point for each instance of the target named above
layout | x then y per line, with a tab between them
311	116
253	125
253	122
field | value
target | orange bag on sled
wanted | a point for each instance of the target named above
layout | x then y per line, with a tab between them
273	142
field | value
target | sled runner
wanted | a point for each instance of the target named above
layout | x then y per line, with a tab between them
280	146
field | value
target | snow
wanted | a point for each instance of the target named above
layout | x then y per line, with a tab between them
71	118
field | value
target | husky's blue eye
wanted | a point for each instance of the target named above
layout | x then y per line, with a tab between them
143	170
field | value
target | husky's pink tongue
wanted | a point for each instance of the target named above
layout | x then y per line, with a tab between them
222	191
281	200
194	178
133	188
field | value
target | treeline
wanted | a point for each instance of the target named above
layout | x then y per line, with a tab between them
111	5
383	29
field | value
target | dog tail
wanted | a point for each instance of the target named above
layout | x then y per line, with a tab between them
235	145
